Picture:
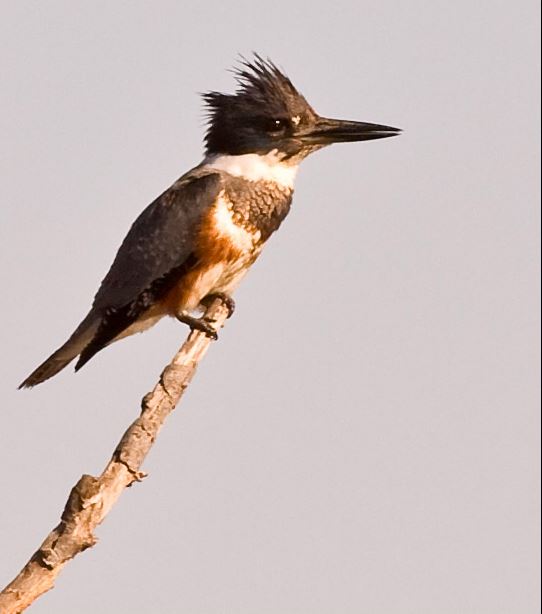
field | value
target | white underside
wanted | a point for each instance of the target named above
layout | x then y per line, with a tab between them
256	167
252	167
225	277
226	227
218	278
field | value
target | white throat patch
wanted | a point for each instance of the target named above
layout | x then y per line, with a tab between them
256	167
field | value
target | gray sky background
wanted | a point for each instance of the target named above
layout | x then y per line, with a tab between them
364	436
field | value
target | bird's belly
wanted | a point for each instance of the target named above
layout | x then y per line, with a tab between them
206	279
232	274
224	252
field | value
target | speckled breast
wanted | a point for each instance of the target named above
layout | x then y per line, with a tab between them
231	237
258	206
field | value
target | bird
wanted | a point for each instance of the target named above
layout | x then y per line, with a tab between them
196	241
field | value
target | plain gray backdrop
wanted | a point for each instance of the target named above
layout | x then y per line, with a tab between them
363	438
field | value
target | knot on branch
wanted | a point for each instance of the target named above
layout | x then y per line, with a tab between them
175	378
84	494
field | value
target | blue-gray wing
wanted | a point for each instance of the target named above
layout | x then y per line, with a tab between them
156	250
160	241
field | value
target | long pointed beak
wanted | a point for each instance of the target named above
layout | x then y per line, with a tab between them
327	131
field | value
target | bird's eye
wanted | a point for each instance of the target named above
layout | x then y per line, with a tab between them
276	125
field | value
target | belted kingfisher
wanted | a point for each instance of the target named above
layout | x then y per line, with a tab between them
198	239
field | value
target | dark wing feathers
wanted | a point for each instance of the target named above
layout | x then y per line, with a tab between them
156	251
161	239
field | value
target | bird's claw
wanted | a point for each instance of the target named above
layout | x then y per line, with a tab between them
204	325
226	299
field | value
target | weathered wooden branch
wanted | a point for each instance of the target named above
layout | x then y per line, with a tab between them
92	497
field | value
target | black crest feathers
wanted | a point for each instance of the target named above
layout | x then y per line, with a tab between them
263	92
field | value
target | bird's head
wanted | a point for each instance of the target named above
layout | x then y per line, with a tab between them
267	113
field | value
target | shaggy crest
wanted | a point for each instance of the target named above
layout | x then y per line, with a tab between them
264	96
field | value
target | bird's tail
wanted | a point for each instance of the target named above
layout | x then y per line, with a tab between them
64	355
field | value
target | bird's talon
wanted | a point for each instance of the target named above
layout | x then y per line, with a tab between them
201	324
226	299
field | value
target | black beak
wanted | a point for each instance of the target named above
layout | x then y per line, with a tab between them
327	131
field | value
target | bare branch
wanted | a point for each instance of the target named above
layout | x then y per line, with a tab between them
92	497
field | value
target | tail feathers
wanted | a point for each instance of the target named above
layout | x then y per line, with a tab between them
64	355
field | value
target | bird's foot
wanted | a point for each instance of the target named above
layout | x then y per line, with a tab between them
205	324
225	298
202	324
